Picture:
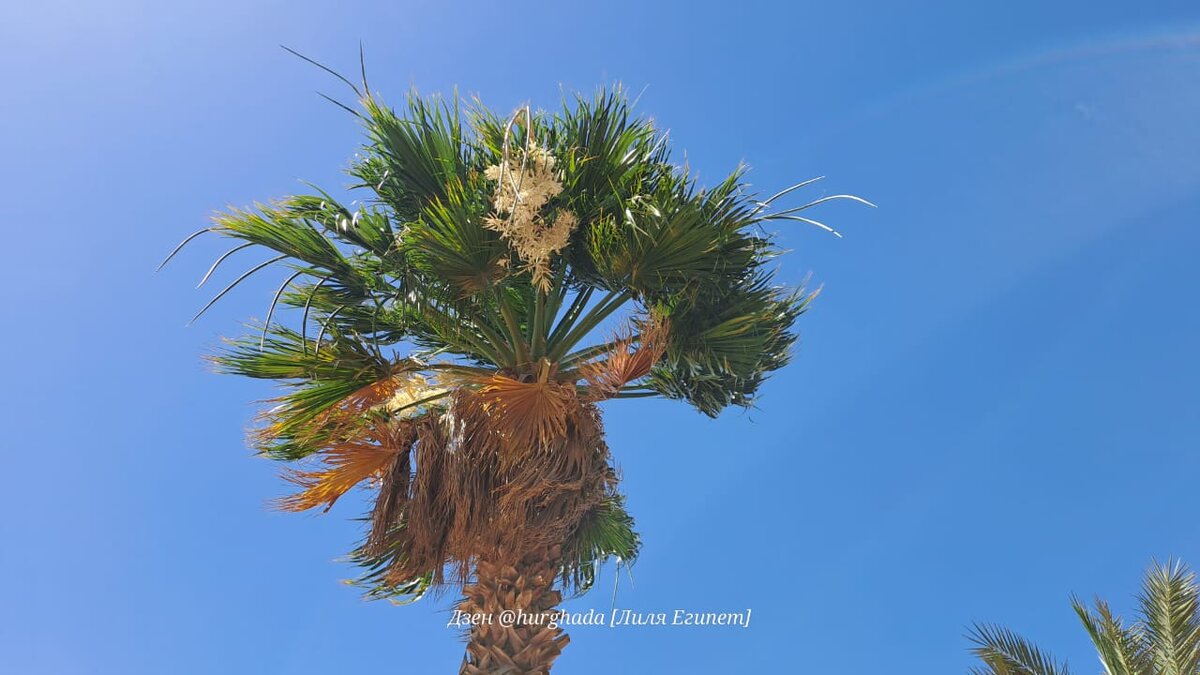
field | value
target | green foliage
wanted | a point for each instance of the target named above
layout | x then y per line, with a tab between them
604	533
724	343
1164	639
421	154
375	580
1170	618
449	243
418	267
1006	653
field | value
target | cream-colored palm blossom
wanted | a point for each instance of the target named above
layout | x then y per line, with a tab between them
524	186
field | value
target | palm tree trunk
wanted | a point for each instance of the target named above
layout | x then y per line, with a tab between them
513	603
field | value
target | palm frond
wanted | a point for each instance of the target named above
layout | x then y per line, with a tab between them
1169	612
379	583
287	231
723	345
283	356
605	532
1121	649
1003	652
450	243
416	156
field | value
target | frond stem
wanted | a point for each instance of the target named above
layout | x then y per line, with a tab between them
609	304
514	329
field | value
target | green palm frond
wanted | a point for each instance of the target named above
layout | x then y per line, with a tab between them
413	159
377	584
317	380
293	233
368	228
608	155
1164	640
285	356
723	344
1121	649
450	243
605	532
1003	652
1169	614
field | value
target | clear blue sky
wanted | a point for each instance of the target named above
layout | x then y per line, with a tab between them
994	404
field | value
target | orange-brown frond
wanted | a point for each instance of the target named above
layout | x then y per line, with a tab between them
374	394
527	414
346	465
625	363
399	395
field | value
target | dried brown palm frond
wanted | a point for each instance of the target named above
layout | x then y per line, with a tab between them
340	420
554	487
630	358
527	415
501	466
466	494
346	464
393	490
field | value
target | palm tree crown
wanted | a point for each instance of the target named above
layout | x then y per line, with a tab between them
455	331
1164	638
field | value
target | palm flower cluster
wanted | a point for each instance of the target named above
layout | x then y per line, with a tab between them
455	332
522	191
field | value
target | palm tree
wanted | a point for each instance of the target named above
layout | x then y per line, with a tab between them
456	330
1164	639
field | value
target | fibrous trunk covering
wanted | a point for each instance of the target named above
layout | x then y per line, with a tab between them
486	490
480	492
523	643
463	488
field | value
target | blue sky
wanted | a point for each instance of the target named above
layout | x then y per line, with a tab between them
994	404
